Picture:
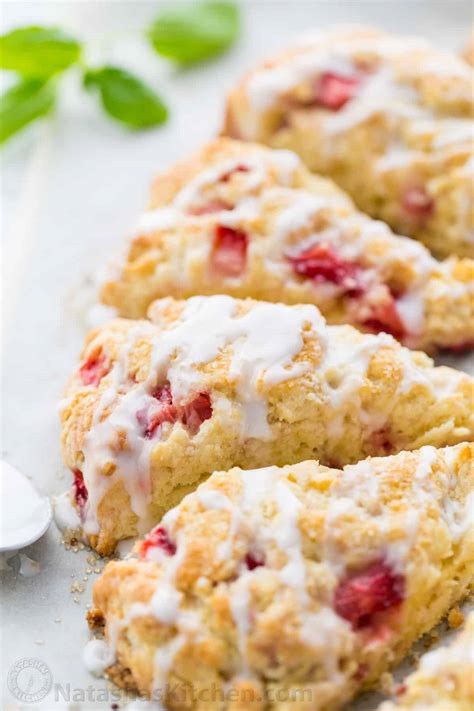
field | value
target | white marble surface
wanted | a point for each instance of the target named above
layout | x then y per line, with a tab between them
72	188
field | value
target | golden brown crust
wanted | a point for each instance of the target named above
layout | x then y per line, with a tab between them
444	680
293	615
468	53
324	391
304	243
388	118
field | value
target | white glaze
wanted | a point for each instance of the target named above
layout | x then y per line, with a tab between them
380	94
165	603
100	444
66	516
163	218
411	310
356	492
97	657
349	371
381	91
145	705
267	85
460	652
263	341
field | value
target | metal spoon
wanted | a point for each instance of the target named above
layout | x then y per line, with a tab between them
26	515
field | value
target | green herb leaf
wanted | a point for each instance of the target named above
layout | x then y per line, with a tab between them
38	51
24	103
126	98
193	32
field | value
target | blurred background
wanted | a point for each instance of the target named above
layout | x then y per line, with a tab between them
72	188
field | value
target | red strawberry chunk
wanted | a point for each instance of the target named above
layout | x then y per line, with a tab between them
229	251
322	264
463	347
94	369
240	168
162	409
381	441
197	411
157	538
417	204
385	317
157	412
363	594
253	561
333	91
80	490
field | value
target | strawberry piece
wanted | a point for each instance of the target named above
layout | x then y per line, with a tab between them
192	414
229	251
333	91
463	347
240	168
417	204
156	413
157	538
80	490
322	264
94	369
217	204
197	411
363	594
209	208
252	561
361	672
382	442
385	317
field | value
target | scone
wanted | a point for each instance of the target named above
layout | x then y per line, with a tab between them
213	382
251	222
291	588
388	118
468	53
444	680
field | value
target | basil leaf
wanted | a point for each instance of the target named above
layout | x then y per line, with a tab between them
126	98
38	51
24	103
193	32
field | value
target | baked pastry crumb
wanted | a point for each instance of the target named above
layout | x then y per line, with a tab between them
244	220
156	406
455	617
444	680
388	118
292	579
468	53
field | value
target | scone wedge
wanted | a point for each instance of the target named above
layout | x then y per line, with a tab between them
388	118
468	53
249	221
444	680
213	382
291	588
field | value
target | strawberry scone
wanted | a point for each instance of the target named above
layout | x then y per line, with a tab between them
248	221
444	680
213	382
388	118
468	53
291	588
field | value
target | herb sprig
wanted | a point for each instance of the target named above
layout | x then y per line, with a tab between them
185	34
